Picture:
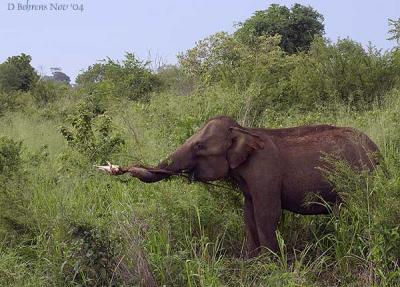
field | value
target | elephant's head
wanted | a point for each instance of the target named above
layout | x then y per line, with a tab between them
219	146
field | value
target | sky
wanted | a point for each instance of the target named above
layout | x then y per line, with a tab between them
158	30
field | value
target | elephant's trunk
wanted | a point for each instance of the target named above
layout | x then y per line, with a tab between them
173	165
146	174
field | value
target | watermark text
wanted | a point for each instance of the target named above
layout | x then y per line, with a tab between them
29	6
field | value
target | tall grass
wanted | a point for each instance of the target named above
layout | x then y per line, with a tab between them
81	227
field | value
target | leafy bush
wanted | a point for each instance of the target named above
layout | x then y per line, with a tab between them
268	78
343	72
130	79
91	259
10	156
15	218
46	92
7	102
91	132
16	73
359	231
175	80
222	60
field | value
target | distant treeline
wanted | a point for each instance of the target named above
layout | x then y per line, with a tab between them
278	57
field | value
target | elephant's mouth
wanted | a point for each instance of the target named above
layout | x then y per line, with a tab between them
191	175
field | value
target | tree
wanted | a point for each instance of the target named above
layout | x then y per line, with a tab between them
209	55
298	26
131	78
16	73
395	30
59	75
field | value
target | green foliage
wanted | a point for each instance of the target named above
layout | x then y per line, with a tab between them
15	220
16	73
130	79
47	92
91	259
297	26
60	77
394	30
7	102
69	225
10	156
208	57
62	223
91	132
360	232
222	59
175	80
266	77
343	72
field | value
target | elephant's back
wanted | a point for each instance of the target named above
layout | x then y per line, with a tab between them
309	143
301	131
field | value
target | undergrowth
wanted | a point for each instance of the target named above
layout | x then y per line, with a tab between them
63	223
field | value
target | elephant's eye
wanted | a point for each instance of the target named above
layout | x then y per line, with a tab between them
199	146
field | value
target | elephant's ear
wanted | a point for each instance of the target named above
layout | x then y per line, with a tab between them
243	144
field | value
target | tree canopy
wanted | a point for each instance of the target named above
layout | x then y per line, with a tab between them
16	73
131	78
394	30
297	26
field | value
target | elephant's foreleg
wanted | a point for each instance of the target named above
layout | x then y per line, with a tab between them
252	242
267	212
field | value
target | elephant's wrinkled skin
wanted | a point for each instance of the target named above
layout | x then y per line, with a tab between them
274	168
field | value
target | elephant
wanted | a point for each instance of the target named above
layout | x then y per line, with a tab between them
275	169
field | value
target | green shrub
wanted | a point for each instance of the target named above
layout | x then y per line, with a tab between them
130	79
46	92
91	132
263	76
6	102
10	156
343	72
362	233
14	101
16	223
173	79
91	259
16	73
